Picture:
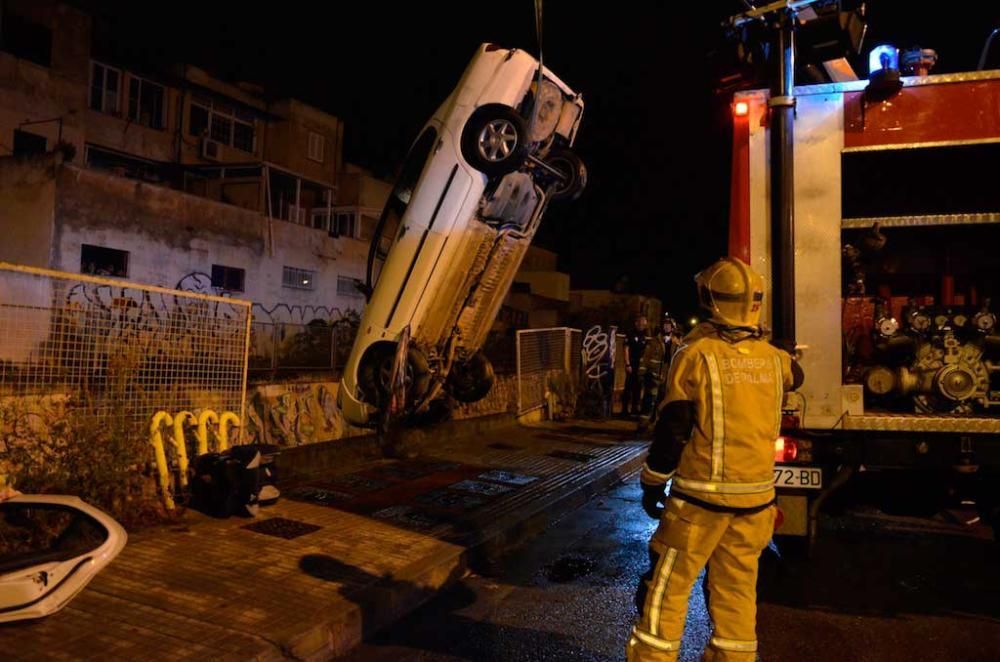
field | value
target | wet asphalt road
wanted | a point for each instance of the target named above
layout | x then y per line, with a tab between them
870	592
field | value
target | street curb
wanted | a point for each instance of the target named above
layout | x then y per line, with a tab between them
378	605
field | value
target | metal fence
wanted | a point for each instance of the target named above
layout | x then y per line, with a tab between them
542	356
289	346
84	346
572	365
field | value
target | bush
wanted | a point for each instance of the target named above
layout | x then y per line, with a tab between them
93	455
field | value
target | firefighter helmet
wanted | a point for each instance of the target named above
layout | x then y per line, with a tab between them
731	292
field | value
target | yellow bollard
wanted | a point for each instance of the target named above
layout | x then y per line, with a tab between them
202	433
227	417
180	443
156	439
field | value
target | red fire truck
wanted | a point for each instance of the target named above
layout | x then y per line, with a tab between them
888	277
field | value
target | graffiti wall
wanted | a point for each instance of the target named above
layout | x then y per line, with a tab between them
294	414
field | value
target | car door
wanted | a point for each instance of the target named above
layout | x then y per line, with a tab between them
51	546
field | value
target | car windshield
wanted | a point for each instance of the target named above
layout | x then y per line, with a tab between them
399	200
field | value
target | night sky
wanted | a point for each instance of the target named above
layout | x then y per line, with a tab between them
655	135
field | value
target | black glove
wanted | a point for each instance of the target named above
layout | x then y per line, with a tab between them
652	497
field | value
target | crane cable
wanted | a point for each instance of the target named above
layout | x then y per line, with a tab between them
538	85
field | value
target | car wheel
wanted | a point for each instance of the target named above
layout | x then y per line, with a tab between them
574	175
375	374
495	140
471	380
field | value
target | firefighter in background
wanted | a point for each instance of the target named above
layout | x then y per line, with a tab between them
715	441
654	366
635	345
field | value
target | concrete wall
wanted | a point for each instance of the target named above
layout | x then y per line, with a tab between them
539	259
549	284
300	413
31	92
173	238
288	140
27	208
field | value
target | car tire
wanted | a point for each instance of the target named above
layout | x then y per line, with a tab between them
495	140
573	169
377	364
471	380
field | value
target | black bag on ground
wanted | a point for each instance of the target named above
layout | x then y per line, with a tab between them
227	483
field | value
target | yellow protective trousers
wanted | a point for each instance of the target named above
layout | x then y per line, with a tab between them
687	538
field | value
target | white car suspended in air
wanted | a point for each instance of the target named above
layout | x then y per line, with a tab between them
467	202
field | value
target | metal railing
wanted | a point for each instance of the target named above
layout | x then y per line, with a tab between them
82	346
543	356
290	346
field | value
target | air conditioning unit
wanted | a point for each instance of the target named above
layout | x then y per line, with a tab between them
210	149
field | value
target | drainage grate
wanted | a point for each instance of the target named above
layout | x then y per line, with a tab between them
570	455
480	487
359	483
451	499
498	476
281	527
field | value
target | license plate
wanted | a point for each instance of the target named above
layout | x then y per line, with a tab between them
809	478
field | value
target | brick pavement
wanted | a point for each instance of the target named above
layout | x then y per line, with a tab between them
384	537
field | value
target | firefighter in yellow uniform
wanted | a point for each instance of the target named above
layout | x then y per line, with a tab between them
715	440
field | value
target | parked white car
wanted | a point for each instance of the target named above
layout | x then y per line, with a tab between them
468	200
51	546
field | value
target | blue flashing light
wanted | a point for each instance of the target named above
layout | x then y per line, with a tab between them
884	57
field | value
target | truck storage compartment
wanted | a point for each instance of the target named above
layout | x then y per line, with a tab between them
920	280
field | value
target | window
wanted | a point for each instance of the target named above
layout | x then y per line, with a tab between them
320	219
222	123
105	86
103	261
24	39
145	103
28	143
243	136
298	279
399	200
315	146
227	278
198	121
348	286
122	165
345	224
296	214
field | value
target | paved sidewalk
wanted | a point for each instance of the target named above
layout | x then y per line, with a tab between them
336	558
